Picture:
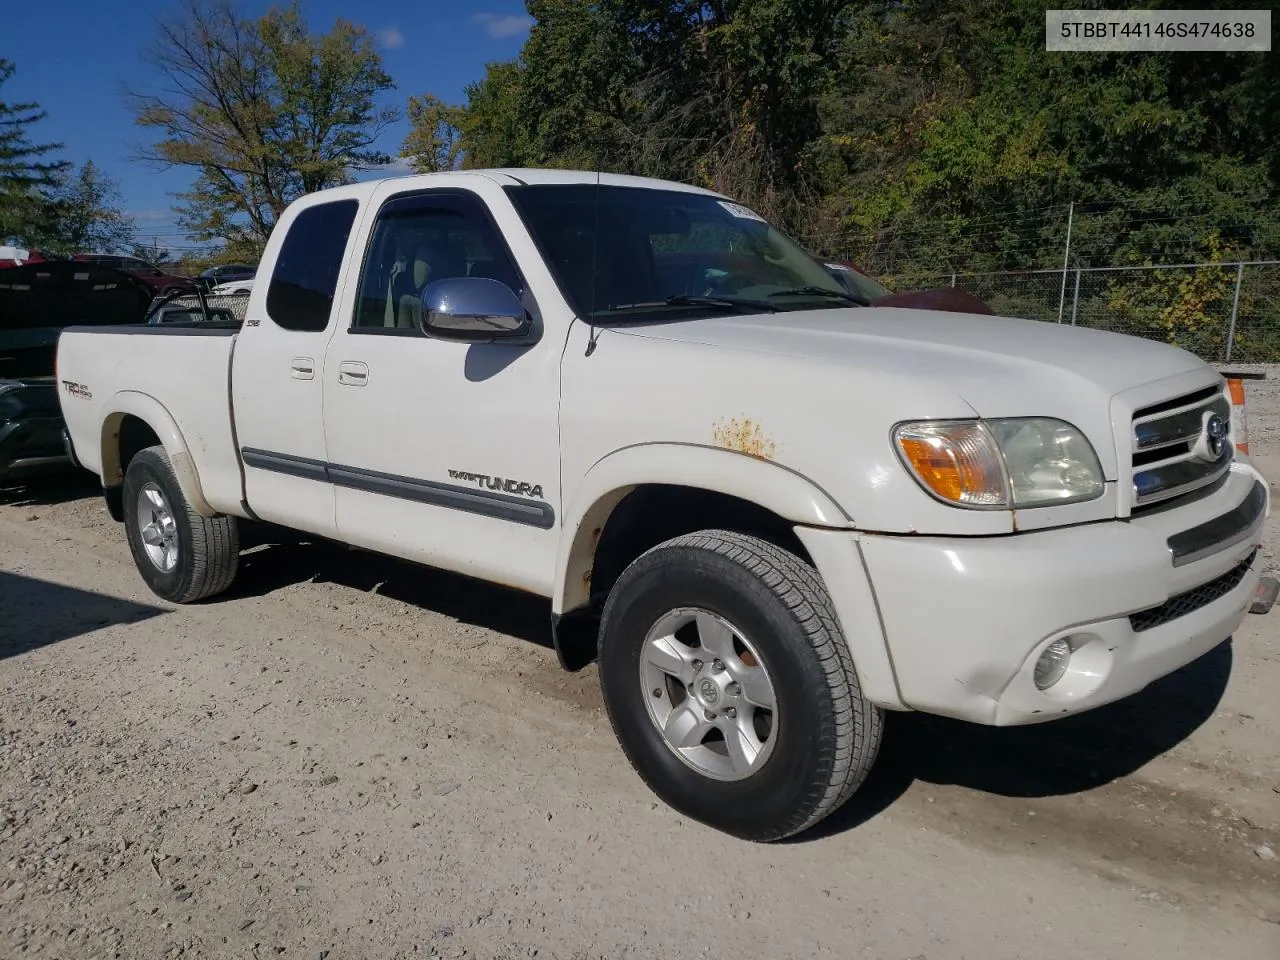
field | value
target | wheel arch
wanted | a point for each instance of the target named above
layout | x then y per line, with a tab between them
769	487
130	420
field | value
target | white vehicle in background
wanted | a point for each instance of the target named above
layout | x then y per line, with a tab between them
233	287
770	511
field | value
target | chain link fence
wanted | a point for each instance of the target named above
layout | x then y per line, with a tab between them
1222	312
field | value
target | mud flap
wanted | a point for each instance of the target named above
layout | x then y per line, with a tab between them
1265	595
576	637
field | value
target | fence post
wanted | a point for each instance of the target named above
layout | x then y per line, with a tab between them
1075	300
953	278
1066	255
1235	307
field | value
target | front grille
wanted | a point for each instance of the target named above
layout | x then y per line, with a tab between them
1173	449
1192	600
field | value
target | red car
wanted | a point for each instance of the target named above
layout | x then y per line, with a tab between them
951	299
161	283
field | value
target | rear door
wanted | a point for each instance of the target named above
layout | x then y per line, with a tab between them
278	364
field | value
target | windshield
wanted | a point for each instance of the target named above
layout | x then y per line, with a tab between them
855	281
634	253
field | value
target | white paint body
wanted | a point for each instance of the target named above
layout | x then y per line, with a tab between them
945	609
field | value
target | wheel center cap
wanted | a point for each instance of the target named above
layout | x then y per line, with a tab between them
709	692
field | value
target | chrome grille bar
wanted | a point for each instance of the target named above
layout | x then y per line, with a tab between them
1176	426
1174	453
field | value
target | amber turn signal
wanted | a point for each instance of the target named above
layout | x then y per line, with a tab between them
958	461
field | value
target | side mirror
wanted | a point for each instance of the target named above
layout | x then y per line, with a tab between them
475	309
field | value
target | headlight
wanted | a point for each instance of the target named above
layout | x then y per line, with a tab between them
1024	462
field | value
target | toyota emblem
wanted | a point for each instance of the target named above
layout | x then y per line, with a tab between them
1216	430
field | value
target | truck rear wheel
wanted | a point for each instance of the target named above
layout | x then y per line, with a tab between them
181	555
731	688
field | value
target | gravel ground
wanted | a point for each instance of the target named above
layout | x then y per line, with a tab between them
352	757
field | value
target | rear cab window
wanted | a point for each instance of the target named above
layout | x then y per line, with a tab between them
305	278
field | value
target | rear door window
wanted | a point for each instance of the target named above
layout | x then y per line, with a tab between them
305	278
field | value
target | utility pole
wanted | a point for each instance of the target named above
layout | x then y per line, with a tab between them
1066	256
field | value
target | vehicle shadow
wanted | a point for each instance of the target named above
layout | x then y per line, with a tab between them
1062	757
50	489
36	613
273	558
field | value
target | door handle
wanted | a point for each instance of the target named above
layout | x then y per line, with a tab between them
353	373
302	368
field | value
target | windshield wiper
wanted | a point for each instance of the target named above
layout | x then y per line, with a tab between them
822	292
686	300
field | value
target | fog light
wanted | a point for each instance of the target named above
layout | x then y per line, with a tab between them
1052	664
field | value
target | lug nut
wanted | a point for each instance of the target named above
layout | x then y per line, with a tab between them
733	690
709	715
717	666
731	713
697	665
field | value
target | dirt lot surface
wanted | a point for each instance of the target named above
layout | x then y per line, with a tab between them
352	757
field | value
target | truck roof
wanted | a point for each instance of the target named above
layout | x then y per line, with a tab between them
513	176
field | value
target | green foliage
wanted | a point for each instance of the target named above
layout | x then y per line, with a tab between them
434	140
25	171
918	136
43	205
262	110
81	214
23	166
152	253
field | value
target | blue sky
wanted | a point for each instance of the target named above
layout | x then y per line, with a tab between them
74	57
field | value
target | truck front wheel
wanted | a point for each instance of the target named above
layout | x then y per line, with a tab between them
181	555
731	688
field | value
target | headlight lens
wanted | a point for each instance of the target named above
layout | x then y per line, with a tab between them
1024	462
1049	462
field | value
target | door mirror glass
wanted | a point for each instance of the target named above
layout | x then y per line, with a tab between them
472	308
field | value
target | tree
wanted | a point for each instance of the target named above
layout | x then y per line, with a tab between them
434	140
263	110
81	214
152	253
24	171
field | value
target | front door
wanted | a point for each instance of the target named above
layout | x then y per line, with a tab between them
441	451
277	369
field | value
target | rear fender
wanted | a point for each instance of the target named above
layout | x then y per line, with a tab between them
153	413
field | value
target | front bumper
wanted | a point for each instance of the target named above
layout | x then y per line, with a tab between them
964	620
33	445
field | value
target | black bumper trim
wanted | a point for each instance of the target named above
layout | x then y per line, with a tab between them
1222	531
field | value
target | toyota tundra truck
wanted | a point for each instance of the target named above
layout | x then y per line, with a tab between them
766	509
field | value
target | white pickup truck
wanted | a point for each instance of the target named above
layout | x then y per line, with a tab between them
769	511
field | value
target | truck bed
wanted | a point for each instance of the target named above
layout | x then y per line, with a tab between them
104	372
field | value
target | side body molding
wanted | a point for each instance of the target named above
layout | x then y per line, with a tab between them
153	413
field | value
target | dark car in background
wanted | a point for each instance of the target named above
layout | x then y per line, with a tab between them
858	283
160	282
37	300
226	273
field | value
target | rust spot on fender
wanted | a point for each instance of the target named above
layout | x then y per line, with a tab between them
745	436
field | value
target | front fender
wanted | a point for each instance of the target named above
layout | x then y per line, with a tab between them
776	488
153	413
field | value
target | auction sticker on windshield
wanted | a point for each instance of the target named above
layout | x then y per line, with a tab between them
741	212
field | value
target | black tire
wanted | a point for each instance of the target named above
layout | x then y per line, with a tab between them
828	734
208	548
